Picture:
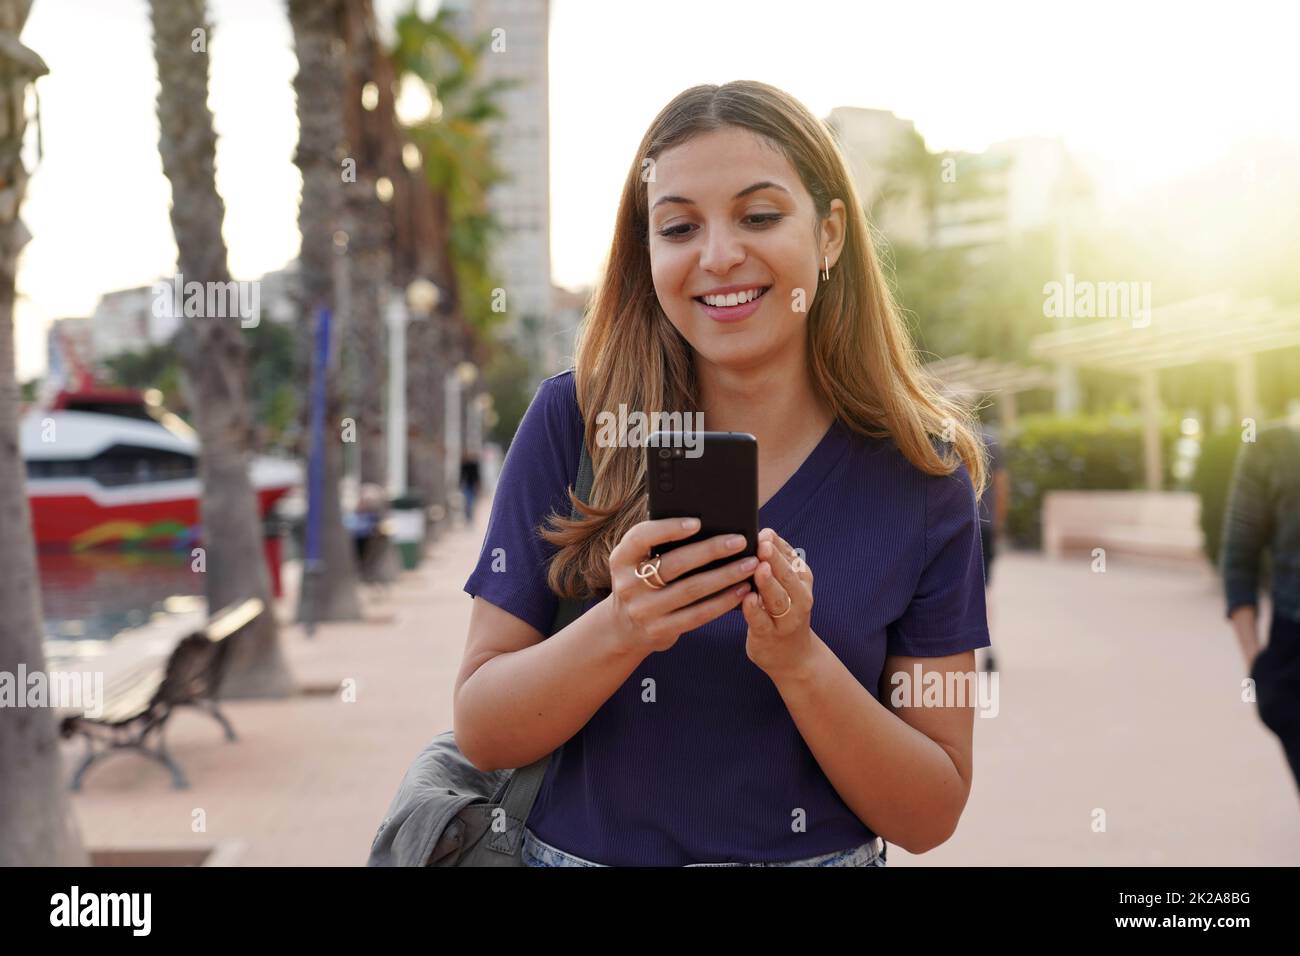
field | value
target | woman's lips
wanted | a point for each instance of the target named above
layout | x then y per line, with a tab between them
733	313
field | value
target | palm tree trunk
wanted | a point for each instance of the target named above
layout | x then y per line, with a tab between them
370	128
437	353
368	339
317	35
426	371
213	352
37	826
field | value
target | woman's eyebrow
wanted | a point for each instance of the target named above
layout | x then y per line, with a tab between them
764	184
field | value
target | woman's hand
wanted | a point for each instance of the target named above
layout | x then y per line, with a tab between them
651	619
779	646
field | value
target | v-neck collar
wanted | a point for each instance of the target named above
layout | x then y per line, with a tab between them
792	496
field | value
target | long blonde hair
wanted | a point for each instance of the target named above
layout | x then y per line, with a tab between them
860	355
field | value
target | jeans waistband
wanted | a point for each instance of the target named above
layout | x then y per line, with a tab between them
872	853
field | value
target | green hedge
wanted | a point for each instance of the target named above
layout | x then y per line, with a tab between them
1077	453
1211	479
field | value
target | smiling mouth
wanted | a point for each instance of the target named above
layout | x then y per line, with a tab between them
762	292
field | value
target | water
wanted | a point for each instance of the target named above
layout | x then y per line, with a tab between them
89	597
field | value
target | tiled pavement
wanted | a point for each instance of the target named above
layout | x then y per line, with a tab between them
1118	692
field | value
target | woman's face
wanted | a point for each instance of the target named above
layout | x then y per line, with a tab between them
729	215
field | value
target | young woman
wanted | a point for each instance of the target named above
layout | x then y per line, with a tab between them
783	727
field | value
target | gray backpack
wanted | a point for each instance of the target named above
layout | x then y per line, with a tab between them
444	810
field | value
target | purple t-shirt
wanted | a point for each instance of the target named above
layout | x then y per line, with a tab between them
711	767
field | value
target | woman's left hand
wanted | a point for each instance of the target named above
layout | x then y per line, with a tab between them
779	646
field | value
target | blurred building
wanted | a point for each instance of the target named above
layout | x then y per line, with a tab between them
1013	187
954	200
131	320
69	354
278	294
125	320
76	334
521	203
568	308
889	164
976	212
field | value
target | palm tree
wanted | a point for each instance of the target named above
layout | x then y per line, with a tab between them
37	827
213	353
330	592
458	169
370	125
458	152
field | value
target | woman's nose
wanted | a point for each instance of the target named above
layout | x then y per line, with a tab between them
722	250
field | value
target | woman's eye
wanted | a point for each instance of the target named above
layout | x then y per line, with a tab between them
672	233
761	219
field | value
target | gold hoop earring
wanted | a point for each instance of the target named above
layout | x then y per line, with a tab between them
826	267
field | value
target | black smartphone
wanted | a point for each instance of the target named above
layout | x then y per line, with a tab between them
712	476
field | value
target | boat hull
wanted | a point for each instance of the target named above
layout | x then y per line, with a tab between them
147	516
96	479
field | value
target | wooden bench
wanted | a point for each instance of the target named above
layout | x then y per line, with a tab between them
1163	525
139	700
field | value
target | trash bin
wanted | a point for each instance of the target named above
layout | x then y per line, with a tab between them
407	522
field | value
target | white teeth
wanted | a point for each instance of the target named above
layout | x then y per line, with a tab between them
733	298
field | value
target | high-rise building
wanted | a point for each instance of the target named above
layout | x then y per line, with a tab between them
518	30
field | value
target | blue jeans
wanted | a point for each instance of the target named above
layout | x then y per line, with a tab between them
872	853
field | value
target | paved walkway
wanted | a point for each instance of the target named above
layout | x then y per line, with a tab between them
310	777
1119	692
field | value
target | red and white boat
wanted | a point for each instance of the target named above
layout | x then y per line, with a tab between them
112	467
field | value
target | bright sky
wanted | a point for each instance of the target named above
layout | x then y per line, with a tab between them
1147	91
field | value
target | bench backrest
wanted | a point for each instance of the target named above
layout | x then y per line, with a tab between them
196	665
232	619
189	672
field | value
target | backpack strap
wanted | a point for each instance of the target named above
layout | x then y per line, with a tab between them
525	783
570	609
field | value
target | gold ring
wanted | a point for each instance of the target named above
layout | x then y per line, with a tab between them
650	569
775	616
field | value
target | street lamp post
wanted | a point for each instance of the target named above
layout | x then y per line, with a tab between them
420	300
408	522
458	379
396	316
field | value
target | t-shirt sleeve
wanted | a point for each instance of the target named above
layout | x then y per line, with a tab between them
947	613
540	464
